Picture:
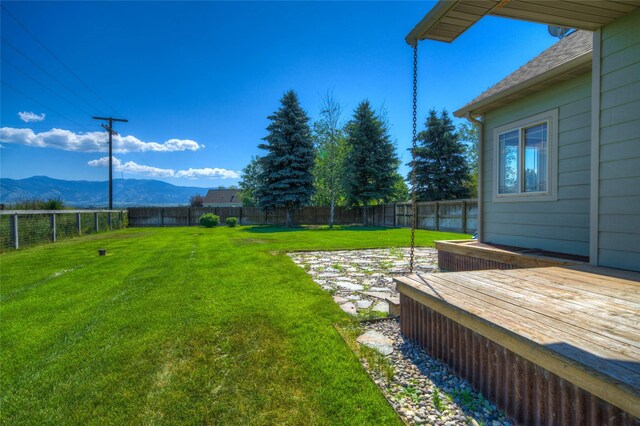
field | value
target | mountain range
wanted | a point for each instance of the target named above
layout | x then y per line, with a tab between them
83	193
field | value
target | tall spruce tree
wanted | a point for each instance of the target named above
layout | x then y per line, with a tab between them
371	164
286	179
440	165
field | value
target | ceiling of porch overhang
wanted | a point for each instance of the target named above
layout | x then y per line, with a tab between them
450	18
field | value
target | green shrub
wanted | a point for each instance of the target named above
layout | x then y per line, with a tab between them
231	221
38	204
209	220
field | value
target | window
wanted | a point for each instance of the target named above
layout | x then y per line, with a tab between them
525	159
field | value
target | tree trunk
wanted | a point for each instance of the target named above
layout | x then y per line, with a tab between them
333	205
289	217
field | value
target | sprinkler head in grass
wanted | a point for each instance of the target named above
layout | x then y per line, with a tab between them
102	252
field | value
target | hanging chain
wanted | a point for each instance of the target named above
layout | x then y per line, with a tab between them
414	220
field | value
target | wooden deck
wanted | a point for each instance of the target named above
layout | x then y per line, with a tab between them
471	255
580	323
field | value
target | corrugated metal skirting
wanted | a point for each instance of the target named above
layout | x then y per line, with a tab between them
459	262
528	394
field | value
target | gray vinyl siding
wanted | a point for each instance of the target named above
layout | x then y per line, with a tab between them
619	192
562	225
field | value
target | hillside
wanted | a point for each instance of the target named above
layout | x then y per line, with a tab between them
126	192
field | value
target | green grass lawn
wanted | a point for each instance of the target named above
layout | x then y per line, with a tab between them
182	325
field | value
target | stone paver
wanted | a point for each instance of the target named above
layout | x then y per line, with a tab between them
377	341
363	277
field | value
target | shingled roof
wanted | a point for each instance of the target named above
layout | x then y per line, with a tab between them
565	59
222	196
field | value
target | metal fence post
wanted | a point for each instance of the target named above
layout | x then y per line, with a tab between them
96	221
109	220
14	229
79	223
54	237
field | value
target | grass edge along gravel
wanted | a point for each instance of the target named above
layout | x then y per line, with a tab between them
183	325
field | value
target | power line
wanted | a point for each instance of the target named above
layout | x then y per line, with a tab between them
43	105
44	85
24	27
109	128
41	68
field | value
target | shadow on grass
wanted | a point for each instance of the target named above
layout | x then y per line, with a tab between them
267	229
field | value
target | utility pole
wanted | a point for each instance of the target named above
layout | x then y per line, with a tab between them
109	129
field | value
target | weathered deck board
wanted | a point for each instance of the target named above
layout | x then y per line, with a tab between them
583	322
532	307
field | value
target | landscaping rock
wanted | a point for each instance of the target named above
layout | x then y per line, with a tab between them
363	276
349	308
381	307
416	377
378	341
363	304
378	294
349	286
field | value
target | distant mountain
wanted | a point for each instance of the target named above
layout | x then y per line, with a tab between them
83	193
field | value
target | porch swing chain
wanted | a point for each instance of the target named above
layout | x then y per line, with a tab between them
414	220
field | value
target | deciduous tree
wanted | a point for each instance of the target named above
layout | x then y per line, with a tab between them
250	182
331	150
469	136
196	200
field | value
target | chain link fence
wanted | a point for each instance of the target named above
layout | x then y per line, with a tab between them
26	228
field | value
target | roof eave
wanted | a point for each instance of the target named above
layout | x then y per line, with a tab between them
430	19
484	105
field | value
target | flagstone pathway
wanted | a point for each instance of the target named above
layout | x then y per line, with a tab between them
421	389
361	281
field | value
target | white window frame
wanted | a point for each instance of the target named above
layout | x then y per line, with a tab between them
551	194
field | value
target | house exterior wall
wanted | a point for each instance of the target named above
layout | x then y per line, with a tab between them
619	173
562	225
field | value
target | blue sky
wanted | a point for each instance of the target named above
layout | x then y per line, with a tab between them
197	80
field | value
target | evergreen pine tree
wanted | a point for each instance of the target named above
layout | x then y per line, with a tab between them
440	165
286	179
371	164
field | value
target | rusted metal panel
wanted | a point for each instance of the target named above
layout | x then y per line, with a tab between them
459	262
526	392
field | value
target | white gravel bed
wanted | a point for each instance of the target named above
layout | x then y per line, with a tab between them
419	381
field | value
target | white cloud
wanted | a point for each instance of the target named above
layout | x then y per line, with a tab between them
214	173
91	141
104	162
132	167
28	116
